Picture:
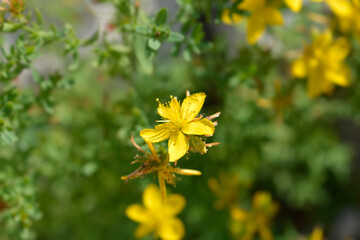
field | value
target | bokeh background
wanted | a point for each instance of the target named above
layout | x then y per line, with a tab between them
77	106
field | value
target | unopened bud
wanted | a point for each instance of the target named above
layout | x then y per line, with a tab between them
189	172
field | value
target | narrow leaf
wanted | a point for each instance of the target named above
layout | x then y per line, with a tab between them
161	17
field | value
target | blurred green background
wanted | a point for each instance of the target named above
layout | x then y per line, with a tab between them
77	105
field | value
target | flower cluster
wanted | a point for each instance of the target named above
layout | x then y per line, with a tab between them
323	64
339	7
349	21
227	189
245	224
322	61
262	14
185	131
266	12
157	216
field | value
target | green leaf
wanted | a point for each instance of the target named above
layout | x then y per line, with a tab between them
154	44
8	136
175	37
75	64
237	2
198	33
119	48
46	105
187	55
145	64
142	29
239	12
7	109
11	27
39	17
36	76
92	39
161	17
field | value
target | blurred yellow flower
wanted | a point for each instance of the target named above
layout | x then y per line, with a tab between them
158	217
294	5
227	189
245	224
179	122
281	100
323	64
262	14
317	234
339	7
351	22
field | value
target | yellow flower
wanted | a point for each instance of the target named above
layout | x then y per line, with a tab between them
157	217
339	7
294	5
317	234
227	189
180	121
323	64
280	102
351	22
262	14
246	224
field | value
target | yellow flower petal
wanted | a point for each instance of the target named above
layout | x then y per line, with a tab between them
261	200
233	19
171	112
138	213
238	214
143	229
255	28
202	127
298	68
339	49
175	204
313	87
322	41
294	5
171	229
328	87
340	76
273	16
252	5
340	7
164	111
192	105
317	234
317	84
152	199
160	133
178	146
175	108
156	216
265	233
345	24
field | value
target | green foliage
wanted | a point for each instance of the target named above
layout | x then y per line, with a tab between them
65	134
